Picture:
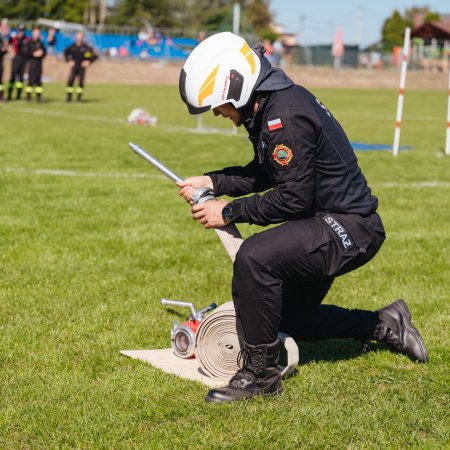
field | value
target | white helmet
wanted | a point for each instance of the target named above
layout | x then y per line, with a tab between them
221	69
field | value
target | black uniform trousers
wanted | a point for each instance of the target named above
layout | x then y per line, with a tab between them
35	72
76	71
1	73
282	275
17	71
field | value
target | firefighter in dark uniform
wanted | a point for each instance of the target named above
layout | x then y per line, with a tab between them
18	43
313	187
80	56
36	52
3	52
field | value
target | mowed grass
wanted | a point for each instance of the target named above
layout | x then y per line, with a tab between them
91	238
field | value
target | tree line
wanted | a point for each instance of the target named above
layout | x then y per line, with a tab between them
205	15
183	14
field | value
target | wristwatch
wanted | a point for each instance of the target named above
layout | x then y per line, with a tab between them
227	212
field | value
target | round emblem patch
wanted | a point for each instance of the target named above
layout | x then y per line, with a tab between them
282	154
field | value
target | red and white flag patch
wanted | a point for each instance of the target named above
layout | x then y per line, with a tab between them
275	124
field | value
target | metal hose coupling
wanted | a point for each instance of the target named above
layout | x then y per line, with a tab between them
202	195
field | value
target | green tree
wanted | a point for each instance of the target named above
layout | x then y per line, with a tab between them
394	27
186	14
68	10
431	16
393	31
259	15
6	7
23	9
160	13
423	12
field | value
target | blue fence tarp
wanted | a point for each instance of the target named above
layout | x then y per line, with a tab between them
130	45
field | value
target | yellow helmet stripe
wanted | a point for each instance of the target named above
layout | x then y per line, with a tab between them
207	88
248	55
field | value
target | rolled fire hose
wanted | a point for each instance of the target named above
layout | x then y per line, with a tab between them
217	345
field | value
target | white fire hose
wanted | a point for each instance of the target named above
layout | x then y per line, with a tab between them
217	345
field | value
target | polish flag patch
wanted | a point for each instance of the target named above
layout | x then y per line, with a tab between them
275	124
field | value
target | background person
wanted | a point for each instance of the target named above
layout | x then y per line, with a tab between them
3	52
80	56
51	41
277	52
18	43
5	32
36	52
52	37
313	187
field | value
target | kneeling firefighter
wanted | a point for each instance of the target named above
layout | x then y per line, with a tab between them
313	187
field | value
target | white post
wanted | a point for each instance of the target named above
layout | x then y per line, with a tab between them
200	123
337	62
401	93
447	141
433	48
236	17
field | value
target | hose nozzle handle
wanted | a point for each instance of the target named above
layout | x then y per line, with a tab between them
196	315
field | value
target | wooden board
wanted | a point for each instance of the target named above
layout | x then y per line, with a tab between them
165	360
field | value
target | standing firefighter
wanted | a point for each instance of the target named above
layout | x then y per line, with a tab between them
3	52
36	52
18	44
79	56
313	187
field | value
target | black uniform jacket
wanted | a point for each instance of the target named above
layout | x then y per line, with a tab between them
79	53
33	46
19	44
303	160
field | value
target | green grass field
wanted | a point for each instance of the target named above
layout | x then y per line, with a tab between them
91	238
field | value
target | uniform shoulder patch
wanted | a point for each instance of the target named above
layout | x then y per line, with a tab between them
282	154
275	124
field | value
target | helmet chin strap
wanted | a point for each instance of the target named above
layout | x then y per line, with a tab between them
246	111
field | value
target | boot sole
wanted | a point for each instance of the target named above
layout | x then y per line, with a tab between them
403	309
263	394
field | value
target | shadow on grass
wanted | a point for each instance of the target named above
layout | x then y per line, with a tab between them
90	100
180	315
60	100
51	100
327	350
334	350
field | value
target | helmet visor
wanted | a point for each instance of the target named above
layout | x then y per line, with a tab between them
182	86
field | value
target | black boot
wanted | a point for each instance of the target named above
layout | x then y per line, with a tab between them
39	90
28	93
9	98
1	95
79	99
69	97
259	375
395	328
18	94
